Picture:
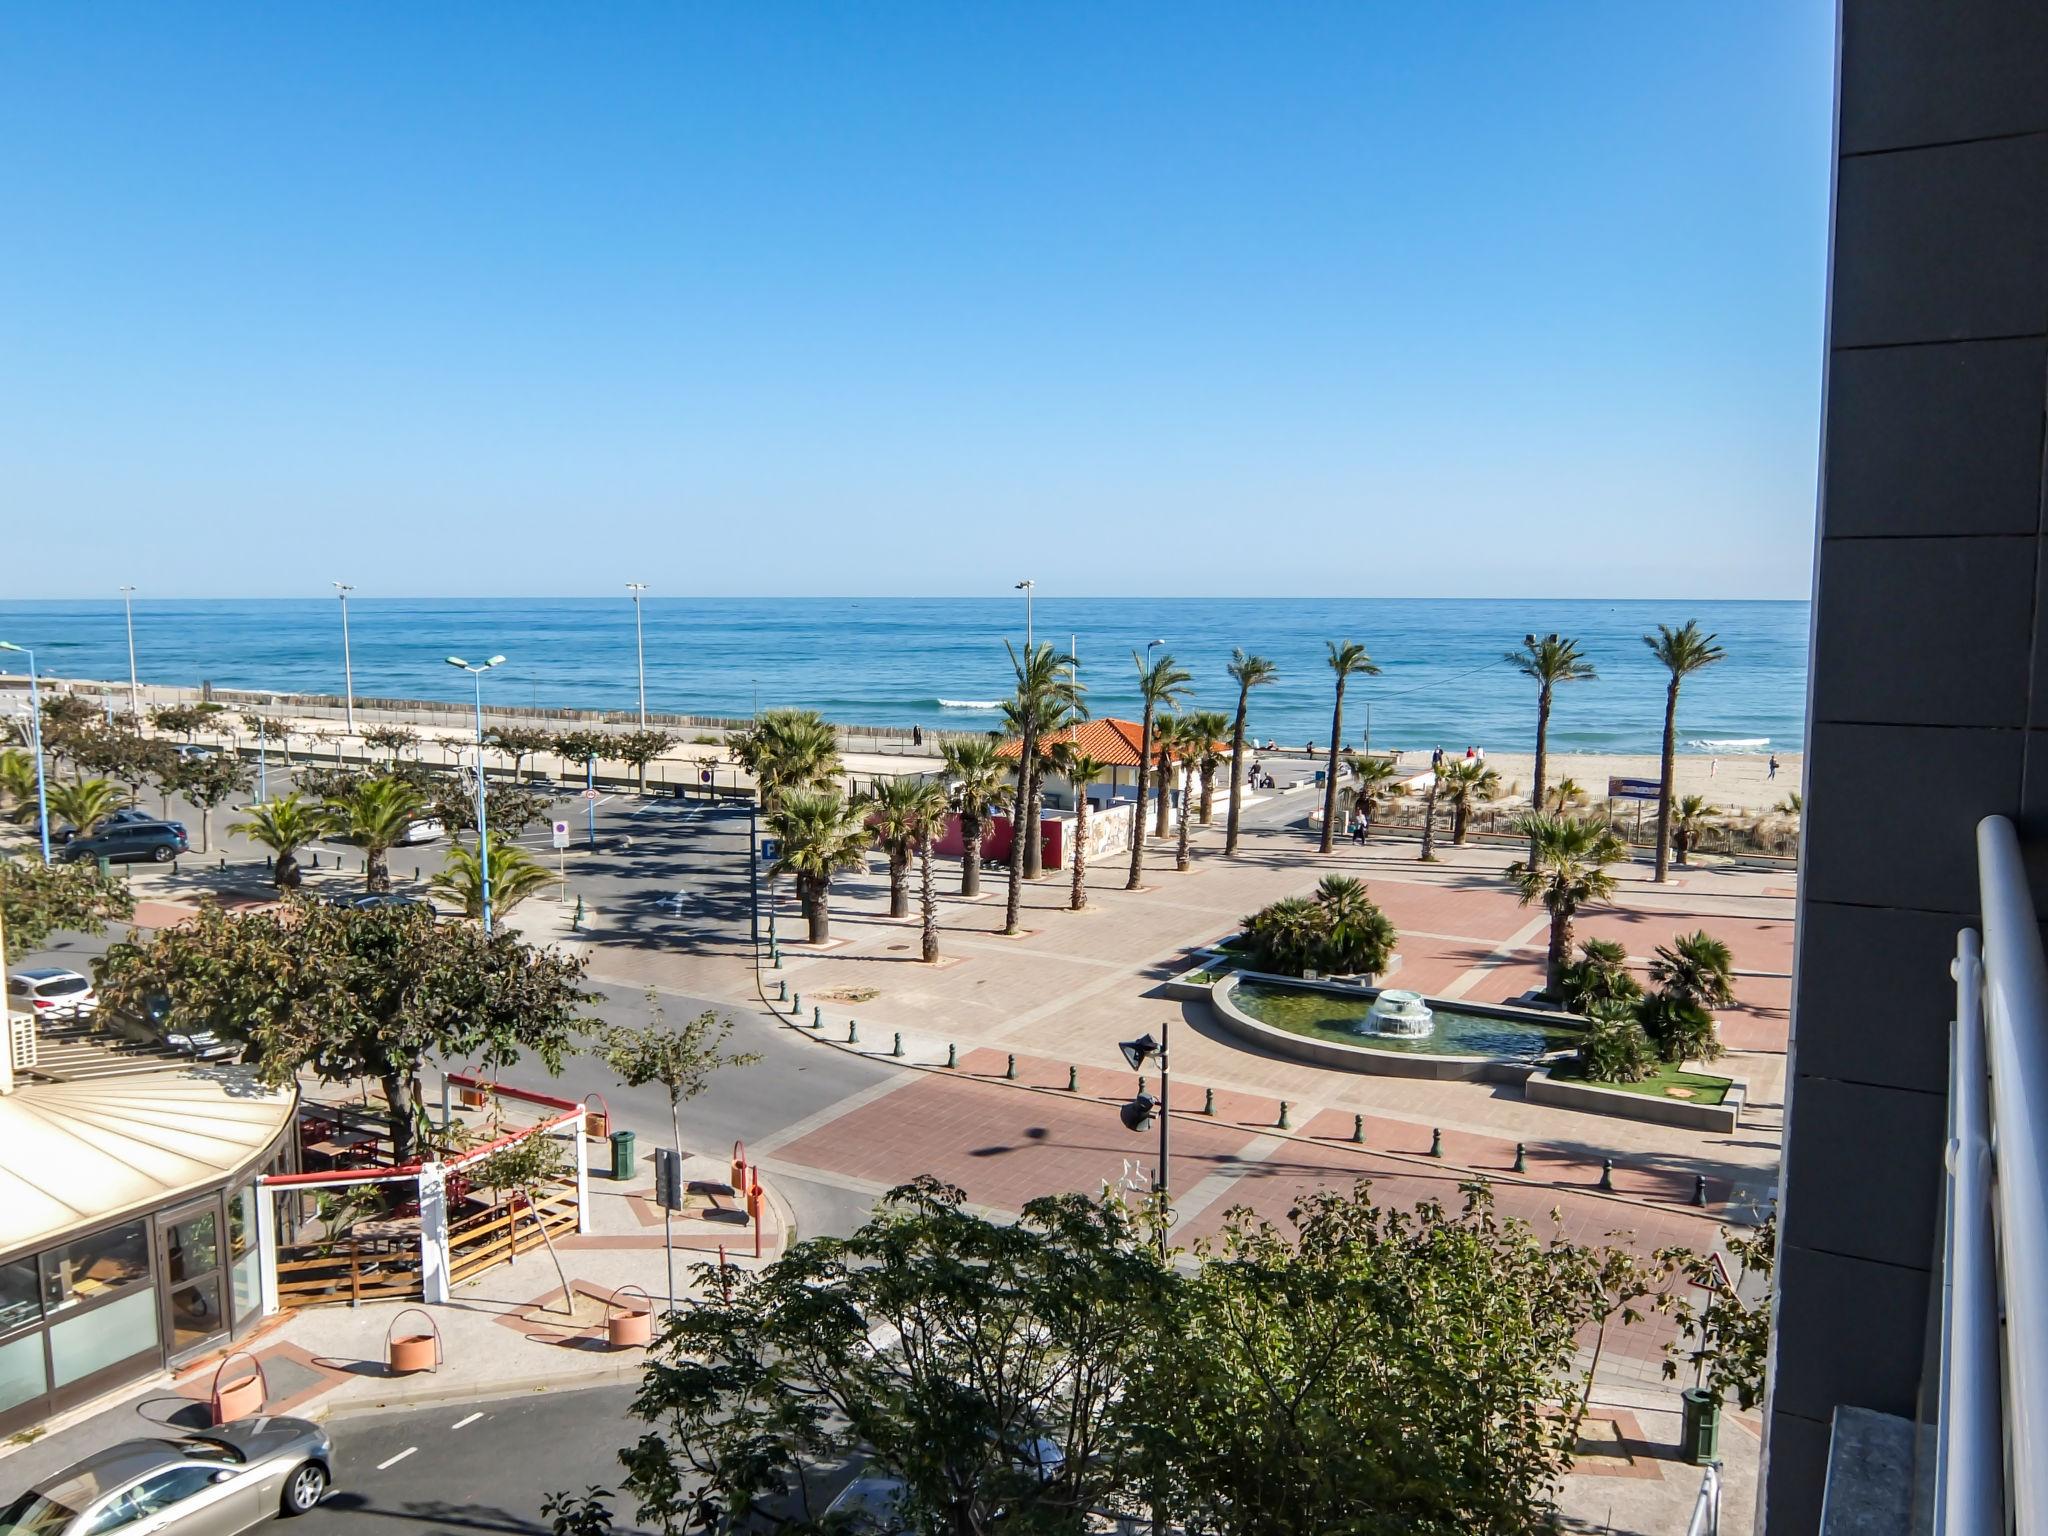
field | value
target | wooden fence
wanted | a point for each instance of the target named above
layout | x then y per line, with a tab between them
488	1237
326	1273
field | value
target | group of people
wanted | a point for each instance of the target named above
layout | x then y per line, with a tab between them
1472	755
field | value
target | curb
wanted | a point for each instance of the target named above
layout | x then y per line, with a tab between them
611	1374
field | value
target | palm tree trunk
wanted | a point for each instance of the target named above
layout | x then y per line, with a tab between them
1429	824
1079	896
1138	811
1560	951
899	881
1236	773
1163	793
376	873
1670	763
1034	816
1461	819
928	900
1542	755
1180	852
1208	792
818	911
1330	776
970	855
285	869
1027	748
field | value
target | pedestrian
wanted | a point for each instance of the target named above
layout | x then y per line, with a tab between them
917	735
1713	766
1436	758
1774	766
1358	830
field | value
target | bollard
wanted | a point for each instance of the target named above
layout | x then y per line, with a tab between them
852	1032
577	921
1141	1085
1010	1071
1606	1173
775	957
266	863
1521	1158
1283	1122
796	1004
782	989
1699	1190
1208	1101
817	1017
1073	1079
1358	1129
952	1056
1436	1143
897	1048
316	858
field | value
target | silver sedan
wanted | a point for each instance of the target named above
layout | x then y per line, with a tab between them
215	1482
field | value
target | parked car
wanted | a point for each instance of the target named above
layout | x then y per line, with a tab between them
868	1506
193	752
127	816
128	842
50	992
365	901
212	1482
421	829
151	1029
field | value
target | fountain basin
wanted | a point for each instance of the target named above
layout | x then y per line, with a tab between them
1398	1014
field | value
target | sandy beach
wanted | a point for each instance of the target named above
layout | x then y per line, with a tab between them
1740	783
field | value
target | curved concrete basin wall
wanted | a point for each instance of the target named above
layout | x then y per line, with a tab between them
1358	1058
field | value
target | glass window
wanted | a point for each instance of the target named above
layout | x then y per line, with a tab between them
19	1301
241	1221
192	1246
195	1314
244	1266
94	1265
102	1337
21	1373
161	1490
36	1514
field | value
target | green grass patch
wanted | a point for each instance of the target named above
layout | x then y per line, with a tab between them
1703	1088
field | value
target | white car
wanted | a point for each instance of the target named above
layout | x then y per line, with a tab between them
52	993
424	829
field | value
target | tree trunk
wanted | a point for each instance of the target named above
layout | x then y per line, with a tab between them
1560	952
970	855
1034	815
1681	844
1330	777
205	828
1236	773
1027	745
1429	824
1208	793
1664	784
533	1210
398	1097
1164	793
899	880
1138	811
818	912
376	872
1078	899
1461	821
1542	754
285	871
928	901
1180	851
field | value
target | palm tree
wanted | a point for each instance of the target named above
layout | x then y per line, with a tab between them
1248	672
1682	651
1047	696
1696	968
896	814
1207	728
975	766
515	875
929	808
1564	794
1161	685
374	815
1080	770
1548	660
1345	660
788	749
1370	777
1166	742
1467	782
284	826
821	836
86	803
18	783
1566	869
1436	784
1689	818
1185	744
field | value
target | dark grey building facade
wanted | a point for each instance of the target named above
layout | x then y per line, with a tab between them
1929	688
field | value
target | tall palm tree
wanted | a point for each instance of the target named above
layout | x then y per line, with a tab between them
1186	743
1047	696
18	783
1690	816
1682	652
515	875
1548	660
374	815
1370	777
1161	685
1346	659
284	826
1207	728
789	749
1080	770
1167	738
1248	672
821	836
1566	869
1436	784
86	803
974	764
929	808
896	815
1466	783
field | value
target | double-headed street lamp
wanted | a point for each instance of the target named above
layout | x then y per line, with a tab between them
483	830
348	671
1027	586
134	686
1142	1110
639	646
35	722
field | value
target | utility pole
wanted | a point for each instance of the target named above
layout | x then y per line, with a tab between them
640	646
134	685
348	671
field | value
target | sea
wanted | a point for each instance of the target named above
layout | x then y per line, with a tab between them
945	662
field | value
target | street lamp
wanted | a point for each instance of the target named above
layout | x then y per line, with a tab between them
348	671
640	646
1026	587
483	831
1142	1110
134	687
35	721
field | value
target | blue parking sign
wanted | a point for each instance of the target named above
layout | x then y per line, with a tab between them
771	849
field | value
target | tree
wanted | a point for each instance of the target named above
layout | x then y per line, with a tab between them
206	782
1178	744
1681	652
395	739
641	748
974	767
1248	672
787	750
896	812
1436	784
1565	870
1599	975
1341	931
1565	794
375	815
821	837
519	742
1682	1029
515	875
521	1170
1695	968
1161	685
1731	1333
1004	1337
509	808
1166	735
1615	1049
350	993
86	803
18	784
1207	729
1547	660
284	826
1370	781
1346	660
1690	816
681	1059
1079	770
184	720
1466	782
37	900
586	747
1047	696
929	812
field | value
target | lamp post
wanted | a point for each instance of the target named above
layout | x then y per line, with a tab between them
640	648
1142	1110
134	686
1026	587
483	831
35	721
348	671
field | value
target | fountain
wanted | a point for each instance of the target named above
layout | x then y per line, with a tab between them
1402	1015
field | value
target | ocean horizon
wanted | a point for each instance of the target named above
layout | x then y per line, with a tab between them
941	662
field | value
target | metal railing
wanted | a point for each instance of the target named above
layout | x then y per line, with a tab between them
1991	1438
1706	1508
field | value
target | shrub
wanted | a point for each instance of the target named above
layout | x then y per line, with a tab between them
1681	1028
1615	1049
1339	931
1600	974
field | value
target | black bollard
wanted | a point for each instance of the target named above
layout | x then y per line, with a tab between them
1521	1158
1283	1122
817	1017
852	1032
1208	1101
1606	1173
1010	1071
897	1048
1436	1143
1699	1190
952	1055
1358	1129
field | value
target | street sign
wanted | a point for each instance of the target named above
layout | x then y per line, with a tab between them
668	1179
1634	789
771	849
593	794
561	834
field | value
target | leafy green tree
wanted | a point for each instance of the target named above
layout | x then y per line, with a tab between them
348	994
1599	975
1547	661
896	810
284	826
207	782
522	1170
1161	685
86	803
929	811
397	740
375	814
1467	782
640	748
515	875
1429	799
37	900
1727	1339
1180	742
1248	672
18	784
821	837
1681	1029
974	767
519	742
1080	770
1347	660
511	808
1286	938
1681	652
787	750
1370	781
585	746
1615	1049
681	1059
1340	931
1567	868
184	720
1690	816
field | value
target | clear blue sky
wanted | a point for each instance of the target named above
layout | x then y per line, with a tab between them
528	299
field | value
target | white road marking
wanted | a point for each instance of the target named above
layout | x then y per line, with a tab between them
395	1460
459	1423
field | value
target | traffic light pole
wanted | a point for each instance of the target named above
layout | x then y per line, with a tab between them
1160	1185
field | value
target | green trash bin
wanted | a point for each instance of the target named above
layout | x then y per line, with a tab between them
1699	1435
622	1154
106	867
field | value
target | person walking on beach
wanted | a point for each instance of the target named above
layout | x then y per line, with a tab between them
1436	758
1774	767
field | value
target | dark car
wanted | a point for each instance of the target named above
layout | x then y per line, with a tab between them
127	816
129	841
152	1028
361	901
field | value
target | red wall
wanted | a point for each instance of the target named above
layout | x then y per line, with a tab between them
995	841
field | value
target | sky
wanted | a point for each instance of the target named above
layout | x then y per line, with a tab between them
1366	299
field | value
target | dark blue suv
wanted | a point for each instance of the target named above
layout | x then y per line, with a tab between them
126	842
